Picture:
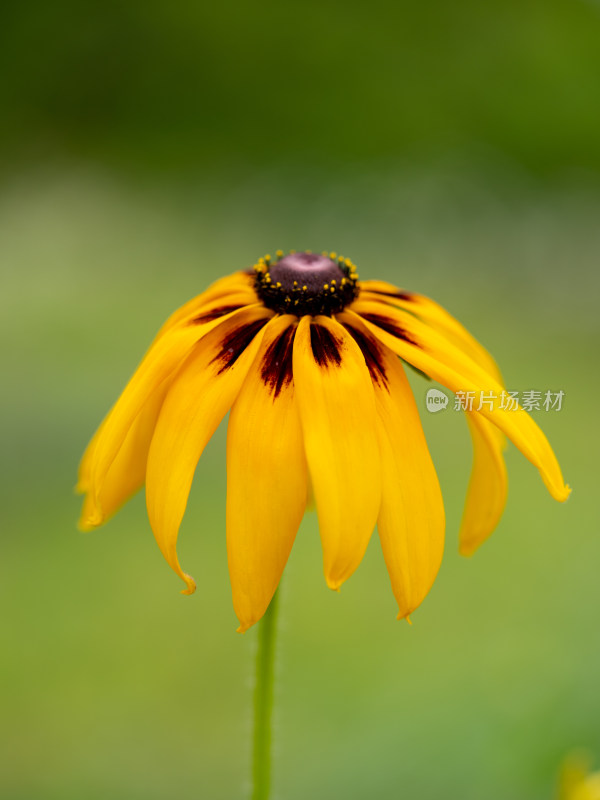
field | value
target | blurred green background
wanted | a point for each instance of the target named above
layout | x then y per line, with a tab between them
145	150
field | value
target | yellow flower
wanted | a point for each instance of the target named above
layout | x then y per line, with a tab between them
306	358
576	782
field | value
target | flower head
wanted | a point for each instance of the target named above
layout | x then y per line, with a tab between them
309	362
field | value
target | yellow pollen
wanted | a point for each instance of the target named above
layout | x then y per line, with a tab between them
279	253
326	286
332	255
333	280
347	262
295	284
332	288
278	284
304	288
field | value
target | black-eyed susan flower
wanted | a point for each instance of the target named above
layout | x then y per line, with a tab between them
309	362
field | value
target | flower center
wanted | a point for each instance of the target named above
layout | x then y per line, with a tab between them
306	283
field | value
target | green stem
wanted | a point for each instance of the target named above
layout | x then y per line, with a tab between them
263	702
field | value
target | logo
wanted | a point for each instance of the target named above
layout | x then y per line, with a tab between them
435	400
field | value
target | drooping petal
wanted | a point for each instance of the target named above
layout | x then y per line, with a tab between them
202	393
337	412
127	473
488	485
158	366
411	518
266	474
239	283
84	473
430	352
224	296
486	495
435	315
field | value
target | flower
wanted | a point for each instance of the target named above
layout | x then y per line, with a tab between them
305	356
587	789
576	780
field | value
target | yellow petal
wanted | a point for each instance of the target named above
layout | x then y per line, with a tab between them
159	365
431	353
239	285
411	518
224	296
266	474
202	393
127	473
337	412
488	485
435	315
84	474
486	496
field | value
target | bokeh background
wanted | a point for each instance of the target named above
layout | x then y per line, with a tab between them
145	150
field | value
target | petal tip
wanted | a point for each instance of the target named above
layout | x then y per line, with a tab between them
405	615
560	492
190	584
467	549
247	621
89	522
